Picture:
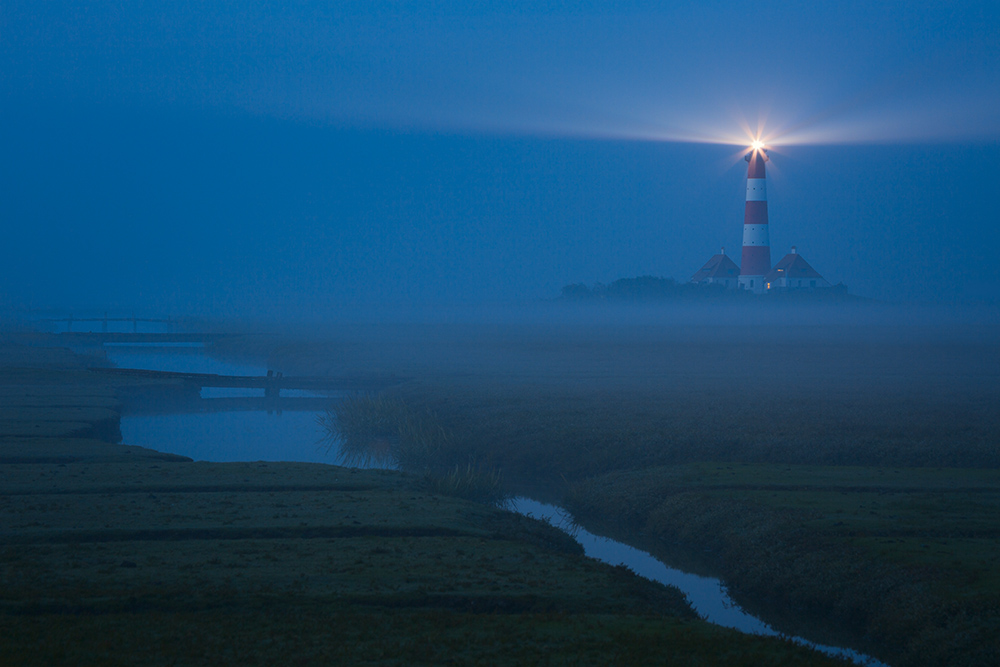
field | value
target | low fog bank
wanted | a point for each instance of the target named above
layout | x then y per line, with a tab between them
764	312
866	348
760	346
837	385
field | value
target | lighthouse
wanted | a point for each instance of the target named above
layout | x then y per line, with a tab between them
756	261
756	275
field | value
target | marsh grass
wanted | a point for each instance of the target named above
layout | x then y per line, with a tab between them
619	411
895	559
364	428
373	430
704	475
578	433
471	482
286	632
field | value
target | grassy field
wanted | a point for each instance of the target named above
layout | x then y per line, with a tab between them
897	561
323	634
841	479
115	554
904	559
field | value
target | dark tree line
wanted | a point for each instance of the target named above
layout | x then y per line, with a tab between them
651	288
643	288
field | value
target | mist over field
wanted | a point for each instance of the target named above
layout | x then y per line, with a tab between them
251	250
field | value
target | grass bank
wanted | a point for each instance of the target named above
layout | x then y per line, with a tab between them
881	448
895	560
113	554
903	560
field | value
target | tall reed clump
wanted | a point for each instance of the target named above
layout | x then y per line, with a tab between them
365	428
375	430
472	483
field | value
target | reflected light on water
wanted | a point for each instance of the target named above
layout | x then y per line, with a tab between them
706	595
301	437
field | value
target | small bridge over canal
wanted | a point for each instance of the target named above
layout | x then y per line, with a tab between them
99	338
272	383
105	321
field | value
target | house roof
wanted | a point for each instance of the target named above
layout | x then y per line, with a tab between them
792	266
719	266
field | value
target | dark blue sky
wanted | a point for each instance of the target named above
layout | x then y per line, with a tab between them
245	157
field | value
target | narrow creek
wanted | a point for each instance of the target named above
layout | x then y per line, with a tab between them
296	435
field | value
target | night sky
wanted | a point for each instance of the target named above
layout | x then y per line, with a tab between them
247	158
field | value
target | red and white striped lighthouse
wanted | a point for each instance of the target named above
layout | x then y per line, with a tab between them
756	261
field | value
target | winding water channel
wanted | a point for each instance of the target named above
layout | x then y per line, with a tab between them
233	434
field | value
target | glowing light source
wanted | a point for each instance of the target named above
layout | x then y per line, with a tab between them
757	145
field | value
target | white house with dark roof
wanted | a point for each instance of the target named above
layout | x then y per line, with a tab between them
793	273
719	270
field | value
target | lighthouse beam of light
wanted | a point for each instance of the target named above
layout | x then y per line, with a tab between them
862	118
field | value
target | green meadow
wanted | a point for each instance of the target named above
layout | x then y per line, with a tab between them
119	555
844	483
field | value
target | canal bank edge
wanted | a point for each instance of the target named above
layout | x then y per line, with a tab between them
129	554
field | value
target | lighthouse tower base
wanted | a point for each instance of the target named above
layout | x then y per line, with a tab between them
753	284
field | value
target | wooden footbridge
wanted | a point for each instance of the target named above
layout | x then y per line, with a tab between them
272	383
96	339
105	320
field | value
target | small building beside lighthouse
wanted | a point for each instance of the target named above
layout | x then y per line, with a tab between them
793	273
719	270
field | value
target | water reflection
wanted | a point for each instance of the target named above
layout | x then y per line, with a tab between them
220	426
707	596
233	434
